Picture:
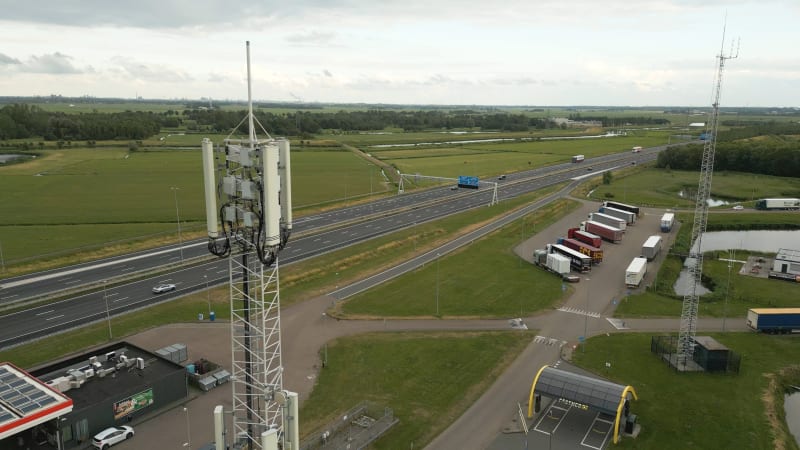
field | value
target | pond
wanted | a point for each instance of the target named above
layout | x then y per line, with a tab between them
791	404
768	241
10	157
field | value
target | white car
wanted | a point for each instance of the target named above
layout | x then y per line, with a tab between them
111	436
161	288
738	207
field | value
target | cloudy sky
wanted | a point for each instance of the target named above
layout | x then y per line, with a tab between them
507	52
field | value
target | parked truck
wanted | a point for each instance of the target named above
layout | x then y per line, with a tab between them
584	236
578	158
635	272
558	263
651	247
774	320
577	260
611	234
778	203
667	220
630	218
593	252
622	206
609	220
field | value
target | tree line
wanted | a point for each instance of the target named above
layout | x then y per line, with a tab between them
619	121
23	121
775	158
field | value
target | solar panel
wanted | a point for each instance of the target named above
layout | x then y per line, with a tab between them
5	415
29	407
46	401
17	383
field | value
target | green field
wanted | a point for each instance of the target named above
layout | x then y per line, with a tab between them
658	187
696	410
426	378
483	279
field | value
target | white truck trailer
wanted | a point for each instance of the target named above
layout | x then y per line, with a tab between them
609	220
635	272
651	247
667	220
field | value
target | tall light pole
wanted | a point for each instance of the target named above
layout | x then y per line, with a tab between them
208	296
586	316
437	284
188	442
2	260
178	216
108	313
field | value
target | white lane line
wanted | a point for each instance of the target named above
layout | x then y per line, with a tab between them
112	294
45	312
120	299
72	282
221	271
54	317
9	296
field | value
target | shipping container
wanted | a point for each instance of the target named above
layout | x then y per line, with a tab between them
651	247
774	320
635	272
611	234
612	221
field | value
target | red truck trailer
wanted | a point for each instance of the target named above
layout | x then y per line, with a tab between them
606	232
584	236
595	253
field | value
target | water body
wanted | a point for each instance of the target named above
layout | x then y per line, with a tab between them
479	141
767	241
7	158
791	404
712	203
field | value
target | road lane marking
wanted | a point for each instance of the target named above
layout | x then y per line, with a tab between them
45	312
54	317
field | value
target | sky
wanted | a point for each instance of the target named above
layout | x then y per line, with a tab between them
453	52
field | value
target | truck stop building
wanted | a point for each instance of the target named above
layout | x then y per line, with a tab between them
787	264
584	392
105	387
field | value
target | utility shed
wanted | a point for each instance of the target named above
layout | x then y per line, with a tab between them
710	354
584	392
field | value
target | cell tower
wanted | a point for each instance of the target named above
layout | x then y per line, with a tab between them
688	325
250	178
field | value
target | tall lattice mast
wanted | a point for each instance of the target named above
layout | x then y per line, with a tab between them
695	260
250	177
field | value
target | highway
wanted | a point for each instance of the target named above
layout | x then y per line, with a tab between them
358	223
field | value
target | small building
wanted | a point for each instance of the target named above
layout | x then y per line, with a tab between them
710	354
105	387
787	261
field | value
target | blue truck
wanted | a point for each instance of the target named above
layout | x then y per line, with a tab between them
774	320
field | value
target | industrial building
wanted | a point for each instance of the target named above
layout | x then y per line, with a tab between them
104	387
787	262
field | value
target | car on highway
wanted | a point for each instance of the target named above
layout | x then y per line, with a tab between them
738	207
111	436
588	169
453	188
164	287
501	177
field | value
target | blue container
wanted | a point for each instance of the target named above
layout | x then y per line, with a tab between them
212	316
190	368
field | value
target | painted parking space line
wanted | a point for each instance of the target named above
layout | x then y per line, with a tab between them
551	419
598	433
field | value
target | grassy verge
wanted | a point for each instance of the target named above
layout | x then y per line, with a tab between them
428	379
483	279
696	410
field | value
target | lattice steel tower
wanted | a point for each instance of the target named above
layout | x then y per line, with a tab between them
688	328
250	178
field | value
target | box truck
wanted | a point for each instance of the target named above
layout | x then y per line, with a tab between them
630	218
774	320
611	221
667	220
651	247
578	158
635	272
611	234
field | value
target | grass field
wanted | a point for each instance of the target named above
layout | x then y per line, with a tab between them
658	187
426	378
695	410
483	279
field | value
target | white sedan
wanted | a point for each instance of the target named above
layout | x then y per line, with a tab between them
111	436
161	288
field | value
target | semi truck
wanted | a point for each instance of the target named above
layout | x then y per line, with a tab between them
578	158
609	220
635	272
591	251
778	203
611	234
577	260
667	220
584	236
630	218
622	206
651	247
774	320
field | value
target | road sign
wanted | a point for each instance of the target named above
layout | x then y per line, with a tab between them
580	339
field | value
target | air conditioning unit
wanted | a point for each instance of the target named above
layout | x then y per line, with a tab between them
74	384
93	360
140	363
89	373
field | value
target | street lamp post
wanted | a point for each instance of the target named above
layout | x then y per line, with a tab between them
108	313
586	316
188	442
437	284
2	260
178	216
208	296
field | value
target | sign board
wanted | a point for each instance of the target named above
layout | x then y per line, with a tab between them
467	182
133	403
